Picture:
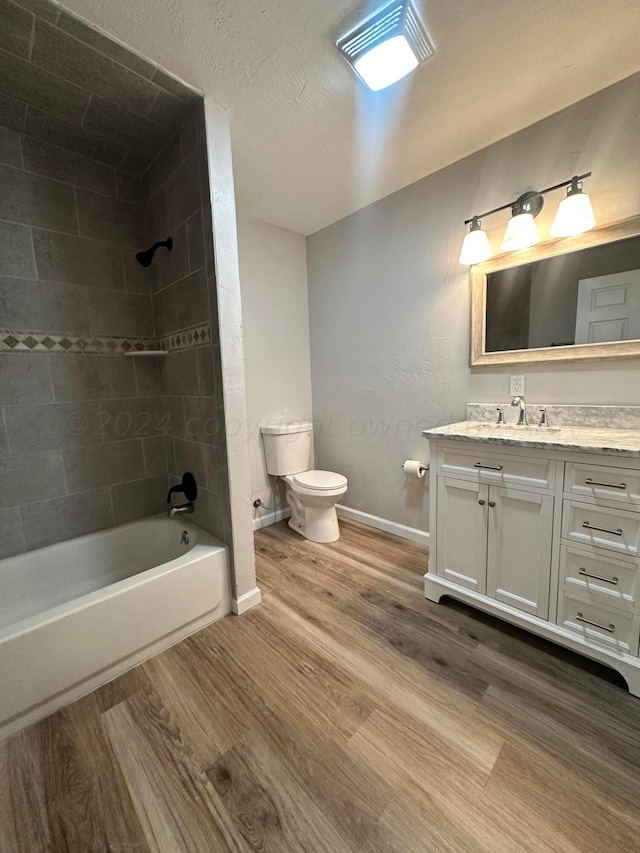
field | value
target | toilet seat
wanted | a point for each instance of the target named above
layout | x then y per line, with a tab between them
320	481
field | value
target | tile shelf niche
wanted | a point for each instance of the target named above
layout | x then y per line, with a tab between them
146	353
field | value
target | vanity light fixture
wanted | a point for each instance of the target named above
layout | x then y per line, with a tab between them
387	45
575	215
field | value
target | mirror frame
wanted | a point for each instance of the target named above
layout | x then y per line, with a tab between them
581	352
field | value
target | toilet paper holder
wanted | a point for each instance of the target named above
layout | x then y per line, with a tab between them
420	468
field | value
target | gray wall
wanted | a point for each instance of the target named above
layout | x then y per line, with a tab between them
184	299
390	309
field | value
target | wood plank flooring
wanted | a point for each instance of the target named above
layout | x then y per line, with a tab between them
346	714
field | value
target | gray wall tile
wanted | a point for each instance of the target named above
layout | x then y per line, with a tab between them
105	45
156	214
205	371
188	136
171	455
129	188
202	423
183	192
16	25
25	378
138	279
44	9
30	478
35	306
4	446
168	110
34	200
13	114
140	499
58	132
110	219
25	82
149	376
173	417
164	311
163	166
196	242
169	267
172	85
16	252
113	313
76	260
93	467
155	457
210	513
10	147
133	417
92	377
11	536
52	521
72	60
123	127
180	373
52	426
66	166
191	301
199	459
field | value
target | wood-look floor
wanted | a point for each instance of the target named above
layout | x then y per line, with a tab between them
346	713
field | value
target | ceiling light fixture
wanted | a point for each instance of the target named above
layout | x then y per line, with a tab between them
574	216
387	45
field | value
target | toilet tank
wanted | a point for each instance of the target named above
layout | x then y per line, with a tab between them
287	448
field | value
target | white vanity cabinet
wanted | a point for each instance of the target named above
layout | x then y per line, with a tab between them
547	539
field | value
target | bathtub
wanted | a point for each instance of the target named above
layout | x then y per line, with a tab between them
75	615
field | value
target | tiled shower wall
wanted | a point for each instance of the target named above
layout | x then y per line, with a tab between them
80	437
176	189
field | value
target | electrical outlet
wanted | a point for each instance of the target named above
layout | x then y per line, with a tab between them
517	385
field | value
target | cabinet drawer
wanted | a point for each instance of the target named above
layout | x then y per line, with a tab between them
599	576
600	625
601	527
604	483
495	469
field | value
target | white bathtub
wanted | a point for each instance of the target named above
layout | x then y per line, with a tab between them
75	615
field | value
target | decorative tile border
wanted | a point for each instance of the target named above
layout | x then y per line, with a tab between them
40	342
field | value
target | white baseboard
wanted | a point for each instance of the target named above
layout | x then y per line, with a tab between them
246	601
402	530
271	517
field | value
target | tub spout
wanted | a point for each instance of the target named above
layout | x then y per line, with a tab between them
180	509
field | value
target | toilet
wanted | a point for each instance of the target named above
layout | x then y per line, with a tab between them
312	495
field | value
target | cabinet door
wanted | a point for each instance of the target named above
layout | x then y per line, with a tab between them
462	533
519	549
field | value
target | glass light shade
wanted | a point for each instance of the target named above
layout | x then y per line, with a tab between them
475	248
574	216
521	233
386	63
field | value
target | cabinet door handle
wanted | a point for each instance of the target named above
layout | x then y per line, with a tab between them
590	482
481	502
488	467
617	532
587	574
608	628
492	503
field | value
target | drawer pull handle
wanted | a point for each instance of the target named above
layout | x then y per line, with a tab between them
608	628
488	467
617	532
587	574
590	482
492	504
481	502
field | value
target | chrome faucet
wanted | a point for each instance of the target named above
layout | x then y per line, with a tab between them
181	508
522	417
501	420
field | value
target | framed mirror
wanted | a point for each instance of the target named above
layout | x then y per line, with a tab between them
566	300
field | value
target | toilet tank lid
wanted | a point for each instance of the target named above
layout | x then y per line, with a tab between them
285	429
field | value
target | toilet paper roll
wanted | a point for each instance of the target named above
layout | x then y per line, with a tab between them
414	468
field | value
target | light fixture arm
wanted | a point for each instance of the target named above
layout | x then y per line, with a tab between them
572	182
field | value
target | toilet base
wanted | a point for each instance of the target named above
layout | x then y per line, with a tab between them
319	525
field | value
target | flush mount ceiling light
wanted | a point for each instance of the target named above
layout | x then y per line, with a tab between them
387	45
574	216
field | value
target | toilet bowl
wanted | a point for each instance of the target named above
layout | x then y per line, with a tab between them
311	495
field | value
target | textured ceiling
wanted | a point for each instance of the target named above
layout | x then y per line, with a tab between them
311	146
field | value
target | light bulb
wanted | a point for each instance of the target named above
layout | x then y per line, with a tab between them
476	247
386	63
521	233
574	216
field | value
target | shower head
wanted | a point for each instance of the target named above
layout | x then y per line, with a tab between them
146	257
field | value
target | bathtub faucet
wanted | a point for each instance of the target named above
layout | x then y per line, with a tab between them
189	488
177	510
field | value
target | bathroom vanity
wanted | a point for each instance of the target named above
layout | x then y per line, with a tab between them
541	527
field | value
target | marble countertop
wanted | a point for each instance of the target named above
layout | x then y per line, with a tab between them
613	442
